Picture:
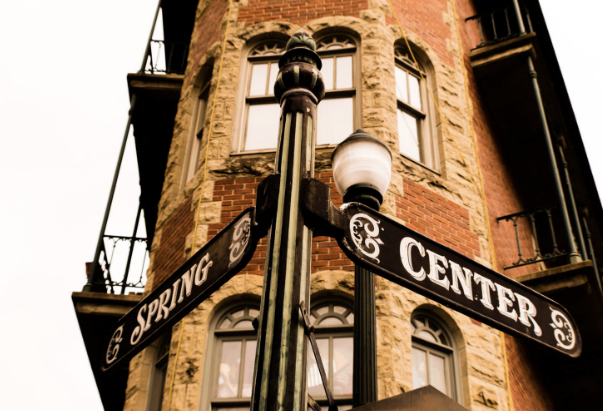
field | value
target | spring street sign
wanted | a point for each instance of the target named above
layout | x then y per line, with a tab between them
414	261
206	271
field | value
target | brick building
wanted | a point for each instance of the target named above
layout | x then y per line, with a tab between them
487	160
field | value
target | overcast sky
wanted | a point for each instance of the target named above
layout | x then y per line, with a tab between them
63	108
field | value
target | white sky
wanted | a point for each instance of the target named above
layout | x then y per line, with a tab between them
63	108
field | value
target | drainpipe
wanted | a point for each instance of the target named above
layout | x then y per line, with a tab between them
573	254
572	203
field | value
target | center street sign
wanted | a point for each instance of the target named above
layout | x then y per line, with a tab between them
206	271
412	260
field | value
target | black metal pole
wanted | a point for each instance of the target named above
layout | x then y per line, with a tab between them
131	249
95	281
574	256
148	49
280	373
365	341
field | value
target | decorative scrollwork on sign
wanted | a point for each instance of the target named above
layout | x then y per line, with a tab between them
240	239
113	348
564	332
366	235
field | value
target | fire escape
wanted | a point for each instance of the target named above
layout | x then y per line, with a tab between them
556	234
112	289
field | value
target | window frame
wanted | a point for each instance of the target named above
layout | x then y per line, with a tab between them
355	90
194	142
449	352
240	132
331	332
426	120
157	380
213	356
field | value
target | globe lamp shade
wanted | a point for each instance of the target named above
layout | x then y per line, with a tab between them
362	169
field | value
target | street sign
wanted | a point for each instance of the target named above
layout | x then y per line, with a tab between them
414	261
191	284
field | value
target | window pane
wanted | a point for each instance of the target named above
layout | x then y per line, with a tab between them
259	73
415	92
273	75
327	73
437	376
243	324
426	335
331	321
339	309
253	313
419	368
401	87
248	369
228	382
344	72
262	126
238	314
408	135
225	324
350	318
343	354
232	409
322	310
315	387
335	120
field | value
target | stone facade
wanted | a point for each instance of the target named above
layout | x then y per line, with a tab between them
445	203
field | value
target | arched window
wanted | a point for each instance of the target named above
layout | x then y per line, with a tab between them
415	132
337	112
259	130
197	128
334	330
233	356
433	355
159	372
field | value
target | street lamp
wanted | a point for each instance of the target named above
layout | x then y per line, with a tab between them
362	169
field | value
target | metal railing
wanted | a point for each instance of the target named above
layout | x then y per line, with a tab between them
544	215
499	25
165	58
106	259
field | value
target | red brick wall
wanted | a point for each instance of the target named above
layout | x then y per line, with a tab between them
422	209
437	218
298	12
170	253
207	30
426	19
525	384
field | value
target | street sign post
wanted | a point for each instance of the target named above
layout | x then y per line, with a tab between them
206	271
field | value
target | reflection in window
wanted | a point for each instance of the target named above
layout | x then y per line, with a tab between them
260	131
236	345
413	127
333	324
336	111
432	355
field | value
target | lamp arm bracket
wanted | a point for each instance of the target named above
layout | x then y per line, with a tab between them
318	210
